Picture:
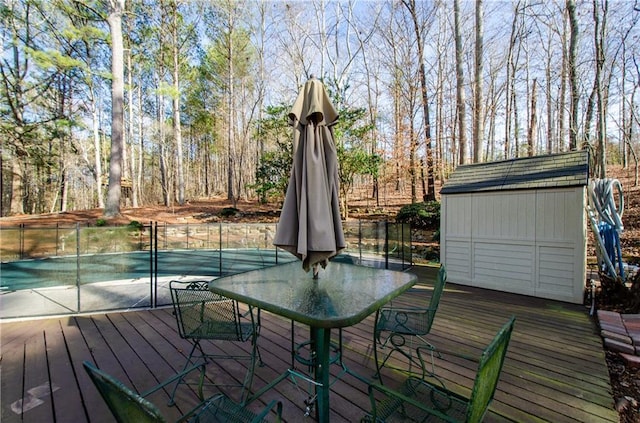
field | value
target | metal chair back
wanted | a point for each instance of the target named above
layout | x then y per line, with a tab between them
434	301
203	315
125	405
429	400
488	373
403	323
130	407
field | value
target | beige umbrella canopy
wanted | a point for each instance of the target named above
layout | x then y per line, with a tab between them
310	226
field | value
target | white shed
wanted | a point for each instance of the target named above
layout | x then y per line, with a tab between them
518	225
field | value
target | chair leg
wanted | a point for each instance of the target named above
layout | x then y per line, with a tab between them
376	341
188	362
395	346
248	379
256	335
260	362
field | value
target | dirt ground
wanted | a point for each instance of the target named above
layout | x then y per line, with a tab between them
625	380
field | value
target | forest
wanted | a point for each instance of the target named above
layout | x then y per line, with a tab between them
114	103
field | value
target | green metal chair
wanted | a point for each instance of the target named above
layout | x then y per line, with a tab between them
203	315
130	407
222	409
403	330
421	401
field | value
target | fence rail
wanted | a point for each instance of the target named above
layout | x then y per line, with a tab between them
72	269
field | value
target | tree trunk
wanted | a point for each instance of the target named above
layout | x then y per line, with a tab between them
230	115
164	167
560	135
132	156
431	190
17	188
138	174
533	121
460	97
516	123
412	164
97	153
177	129
573	77
509	85
478	127
112	207
601	133
550	143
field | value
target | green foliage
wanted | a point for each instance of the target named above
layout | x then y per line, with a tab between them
355	161
101	222
272	174
229	211
135	225
351	134
421	215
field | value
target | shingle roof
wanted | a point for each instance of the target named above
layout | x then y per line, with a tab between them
550	171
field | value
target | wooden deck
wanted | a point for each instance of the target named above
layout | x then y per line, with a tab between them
555	369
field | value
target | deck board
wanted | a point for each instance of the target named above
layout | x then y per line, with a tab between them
555	369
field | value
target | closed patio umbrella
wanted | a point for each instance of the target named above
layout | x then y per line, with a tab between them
310	226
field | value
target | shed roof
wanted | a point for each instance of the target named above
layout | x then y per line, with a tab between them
549	171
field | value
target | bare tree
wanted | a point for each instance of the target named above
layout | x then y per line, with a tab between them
533	120
573	75
364	38
430	194
510	105
600	31
460	96
478	115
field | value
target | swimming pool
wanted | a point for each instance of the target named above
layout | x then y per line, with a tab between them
53	271
97	282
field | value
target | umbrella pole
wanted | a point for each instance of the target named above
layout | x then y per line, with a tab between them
315	271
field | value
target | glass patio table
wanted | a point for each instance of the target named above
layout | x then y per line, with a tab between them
342	296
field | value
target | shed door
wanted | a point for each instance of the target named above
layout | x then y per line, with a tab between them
526	242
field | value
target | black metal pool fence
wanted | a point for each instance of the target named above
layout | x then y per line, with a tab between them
73	269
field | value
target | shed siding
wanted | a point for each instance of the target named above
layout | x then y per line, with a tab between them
504	217
528	242
459	221
458	261
557	274
503	266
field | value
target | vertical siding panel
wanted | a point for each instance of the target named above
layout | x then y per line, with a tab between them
528	242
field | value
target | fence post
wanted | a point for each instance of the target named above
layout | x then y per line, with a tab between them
78	267
21	241
274	246
402	243
360	240
220	249
153	255
386	244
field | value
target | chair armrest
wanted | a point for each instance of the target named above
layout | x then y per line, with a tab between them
278	406
405	309
472	357
175	377
222	408
439	401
